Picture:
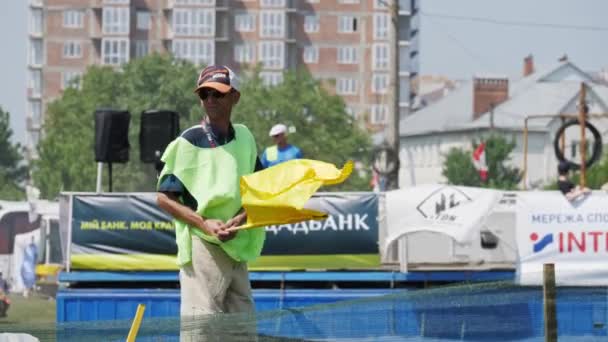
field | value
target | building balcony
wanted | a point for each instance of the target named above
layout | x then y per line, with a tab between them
33	94
36	34
222	5
96	4
36	3
32	125
291	32
405	7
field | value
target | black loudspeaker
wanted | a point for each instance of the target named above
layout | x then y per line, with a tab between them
157	129
112	135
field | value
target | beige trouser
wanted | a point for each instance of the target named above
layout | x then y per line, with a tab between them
213	283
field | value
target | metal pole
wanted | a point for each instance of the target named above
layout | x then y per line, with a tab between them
393	123
99	176
549	303
110	175
525	153
562	139
582	119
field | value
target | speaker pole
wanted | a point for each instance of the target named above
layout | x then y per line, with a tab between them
99	176
110	174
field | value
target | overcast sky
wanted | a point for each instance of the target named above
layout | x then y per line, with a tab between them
457	40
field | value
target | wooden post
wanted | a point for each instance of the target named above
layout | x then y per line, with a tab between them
582	119
549	303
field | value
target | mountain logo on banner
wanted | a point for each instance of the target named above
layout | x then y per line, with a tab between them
539	245
441	200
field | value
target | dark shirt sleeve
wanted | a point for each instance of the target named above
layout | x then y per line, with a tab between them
258	165
565	186
170	183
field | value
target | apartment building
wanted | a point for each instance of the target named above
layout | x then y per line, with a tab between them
346	43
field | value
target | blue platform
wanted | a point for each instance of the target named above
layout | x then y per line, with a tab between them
466	312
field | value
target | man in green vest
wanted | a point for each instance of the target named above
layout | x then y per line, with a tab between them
281	151
199	187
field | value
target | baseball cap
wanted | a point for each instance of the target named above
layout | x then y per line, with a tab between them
218	77
278	129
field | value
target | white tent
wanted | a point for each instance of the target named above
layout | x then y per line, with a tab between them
437	224
455	211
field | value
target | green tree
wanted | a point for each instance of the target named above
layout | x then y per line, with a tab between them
458	167
66	162
12	171
324	131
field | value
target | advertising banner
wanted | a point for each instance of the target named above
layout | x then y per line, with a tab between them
571	235
130	232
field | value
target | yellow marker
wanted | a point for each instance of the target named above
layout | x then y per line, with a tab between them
136	323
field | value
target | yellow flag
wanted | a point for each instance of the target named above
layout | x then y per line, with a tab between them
277	195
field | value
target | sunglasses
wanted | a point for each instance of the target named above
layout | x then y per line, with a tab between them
204	94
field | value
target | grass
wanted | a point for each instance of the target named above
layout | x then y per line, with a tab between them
25	311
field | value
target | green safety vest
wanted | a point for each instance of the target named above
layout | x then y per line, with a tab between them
272	153
212	176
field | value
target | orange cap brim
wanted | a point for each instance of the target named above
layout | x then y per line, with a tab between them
221	87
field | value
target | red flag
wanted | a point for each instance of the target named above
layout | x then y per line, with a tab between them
479	160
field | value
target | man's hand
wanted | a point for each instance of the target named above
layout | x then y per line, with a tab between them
236	221
217	228
212	226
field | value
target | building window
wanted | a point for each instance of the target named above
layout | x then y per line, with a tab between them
36	82
194	22
271	78
244	53
34	138
311	23
347	24
380	56
347	55
114	51
379	83
381	21
195	2
70	79
381	4
272	3
36	21
142	48
36	111
36	51
378	114
346	86
143	20
73	19
115	20
272	24
244	22
310	54
197	51
72	49
272	54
